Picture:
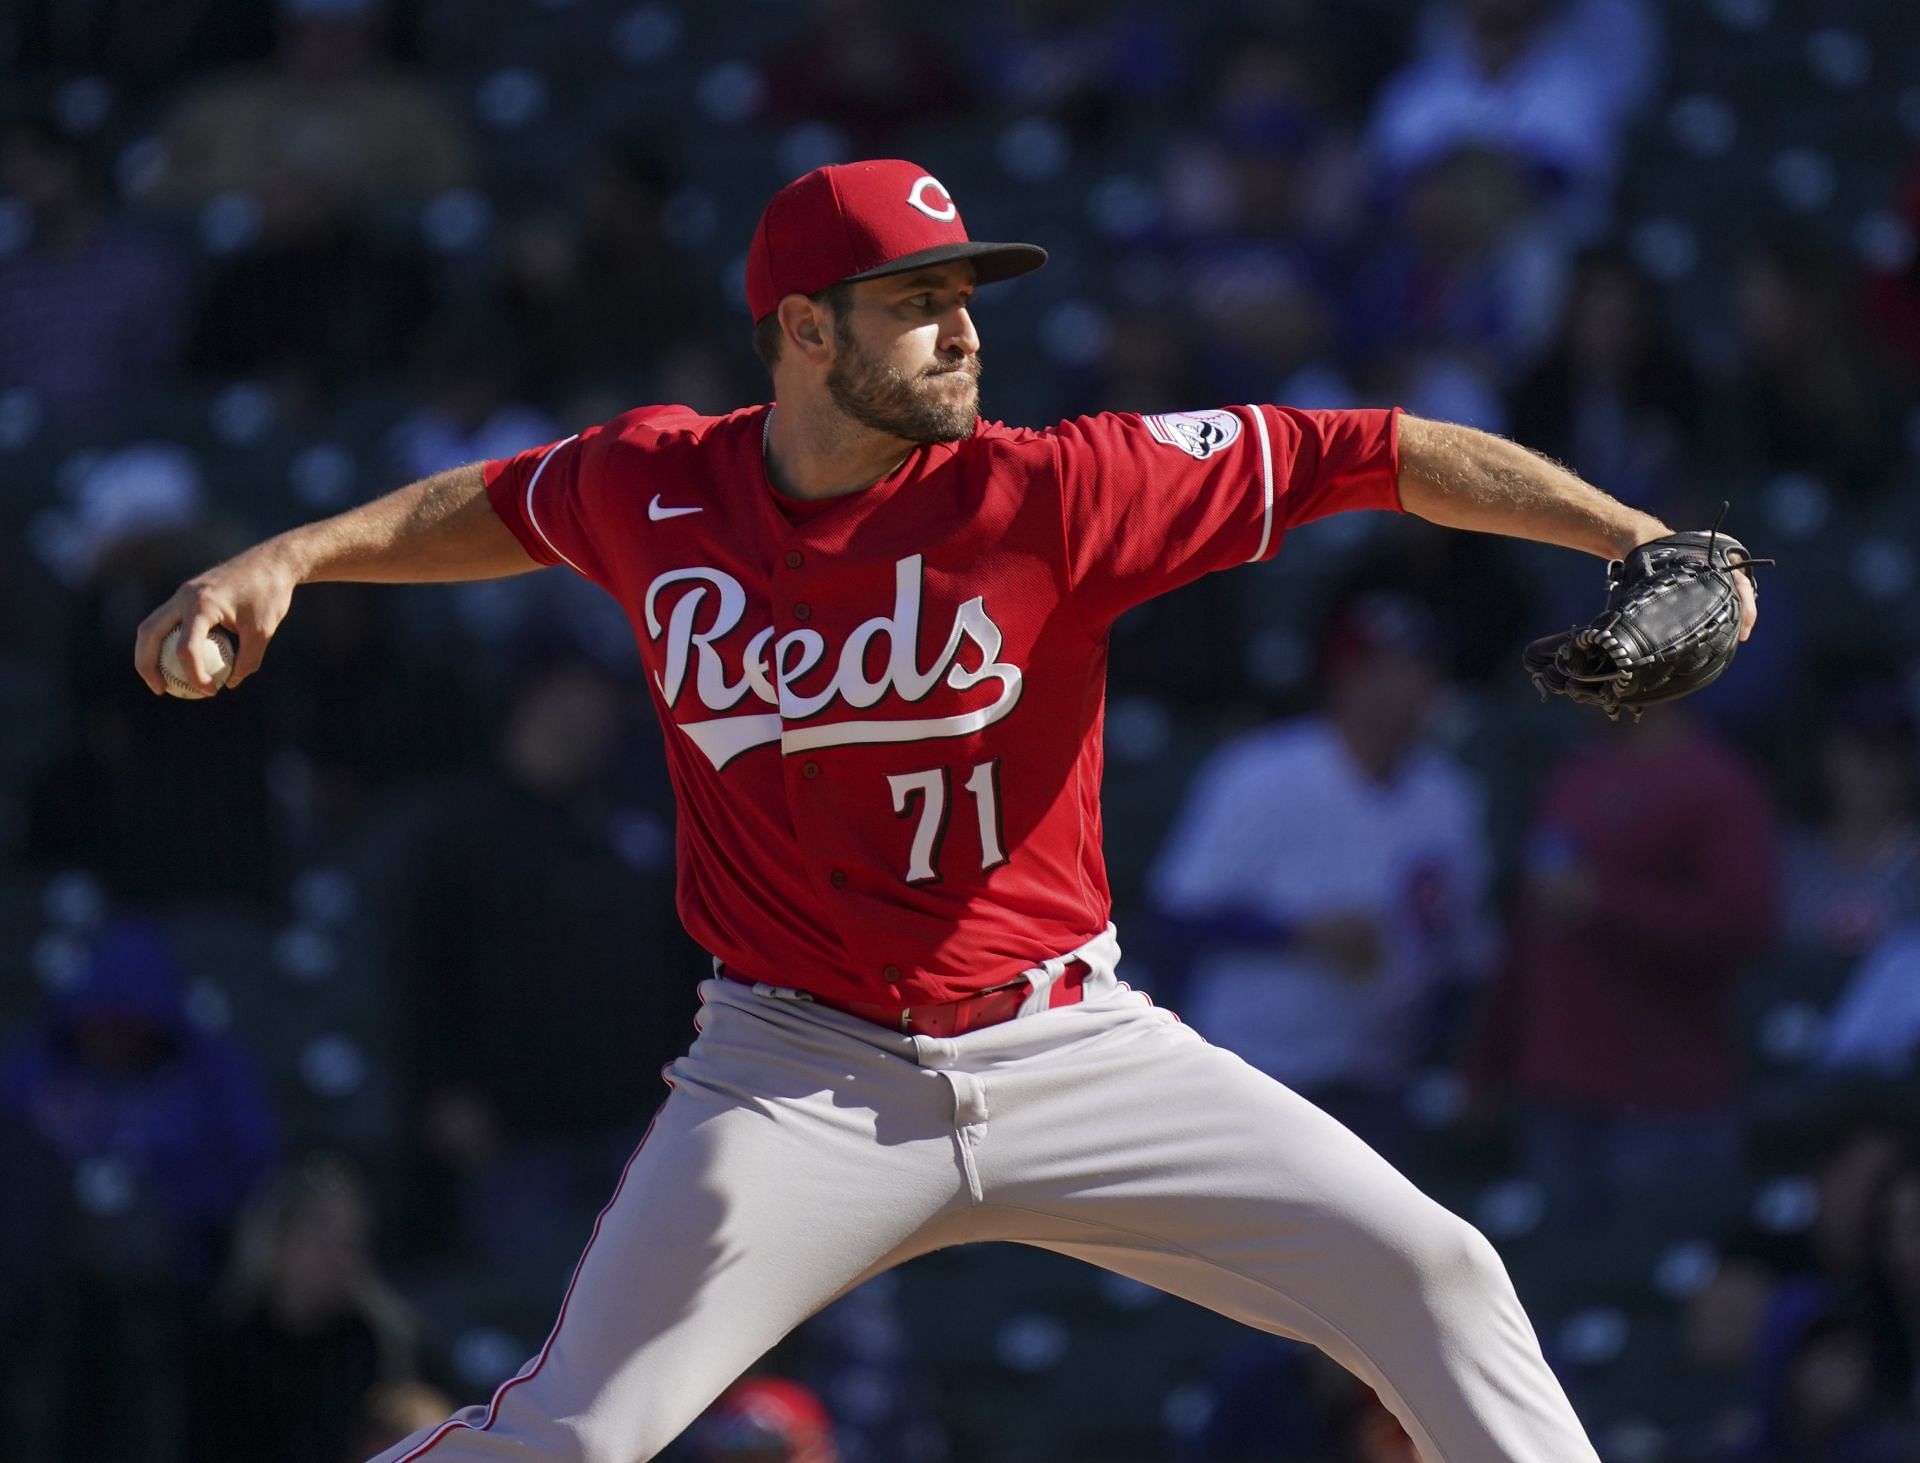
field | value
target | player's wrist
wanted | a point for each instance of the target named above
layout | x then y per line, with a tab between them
291	555
1638	529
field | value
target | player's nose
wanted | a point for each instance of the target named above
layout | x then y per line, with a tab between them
960	334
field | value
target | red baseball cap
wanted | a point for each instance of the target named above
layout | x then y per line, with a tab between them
860	221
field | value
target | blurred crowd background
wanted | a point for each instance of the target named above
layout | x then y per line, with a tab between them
330	1009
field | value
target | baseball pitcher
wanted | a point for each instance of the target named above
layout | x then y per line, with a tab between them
875	629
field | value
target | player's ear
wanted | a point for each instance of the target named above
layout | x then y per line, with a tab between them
806	328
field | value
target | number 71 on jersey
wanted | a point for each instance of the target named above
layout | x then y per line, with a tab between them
926	796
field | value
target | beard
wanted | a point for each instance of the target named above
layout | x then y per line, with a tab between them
920	408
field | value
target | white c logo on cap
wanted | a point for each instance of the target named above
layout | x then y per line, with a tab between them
916	197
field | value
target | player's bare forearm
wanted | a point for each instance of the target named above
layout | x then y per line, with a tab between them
437	530
1463	478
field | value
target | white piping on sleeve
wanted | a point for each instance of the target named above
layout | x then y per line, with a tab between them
1266	476
533	518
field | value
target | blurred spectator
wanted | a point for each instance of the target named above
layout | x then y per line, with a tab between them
765	1420
1612	399
163	1125
468	412
1859	1154
1091	64
162	1129
90	309
1326	878
331	111
1809	393
154	795
1649	878
303	1326
309	296
1257	212
1893	286
388	1413
1274	161
1726	1316
1722	1329
1821	1407
1548	84
316	302
603	295
1744	1328
1436	382
1875	1025
1620	41
1466	281
116	504
1148	366
526	1108
870	69
1853	871
1744	1325
1479	629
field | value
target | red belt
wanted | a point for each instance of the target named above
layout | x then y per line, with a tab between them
950	1018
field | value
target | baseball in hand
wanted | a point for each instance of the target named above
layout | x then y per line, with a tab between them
222	647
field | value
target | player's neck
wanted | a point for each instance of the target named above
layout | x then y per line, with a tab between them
821	453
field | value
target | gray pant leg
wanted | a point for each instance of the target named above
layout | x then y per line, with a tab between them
1151	1153
787	1165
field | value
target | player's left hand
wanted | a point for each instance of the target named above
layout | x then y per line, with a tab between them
1677	608
1744	586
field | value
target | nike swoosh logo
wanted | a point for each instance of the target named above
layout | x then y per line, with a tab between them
656	512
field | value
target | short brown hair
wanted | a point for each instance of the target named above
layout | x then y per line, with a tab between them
767	335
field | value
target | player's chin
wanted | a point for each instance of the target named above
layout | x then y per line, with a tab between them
948	413
944	426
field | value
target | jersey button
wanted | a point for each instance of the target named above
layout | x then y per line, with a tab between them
802	610
838	878
809	770
795	558
890	973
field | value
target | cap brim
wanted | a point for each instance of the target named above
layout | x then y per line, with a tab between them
994	262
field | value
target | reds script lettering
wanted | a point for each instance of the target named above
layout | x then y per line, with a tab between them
721	686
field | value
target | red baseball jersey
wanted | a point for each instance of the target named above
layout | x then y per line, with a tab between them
883	711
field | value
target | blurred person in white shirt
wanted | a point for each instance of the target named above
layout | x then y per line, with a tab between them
1326	879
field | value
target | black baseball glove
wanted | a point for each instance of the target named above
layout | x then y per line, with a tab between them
1671	626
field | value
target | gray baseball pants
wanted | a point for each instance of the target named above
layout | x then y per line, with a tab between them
803	1151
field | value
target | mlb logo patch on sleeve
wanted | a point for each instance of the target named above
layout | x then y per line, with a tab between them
1196	433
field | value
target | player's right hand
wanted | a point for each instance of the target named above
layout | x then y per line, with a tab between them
249	594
